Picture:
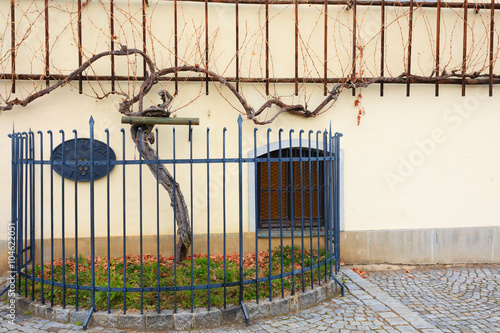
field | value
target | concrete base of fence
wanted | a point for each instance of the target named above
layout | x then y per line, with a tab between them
200	318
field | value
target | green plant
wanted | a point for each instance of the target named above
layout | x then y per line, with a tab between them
205	270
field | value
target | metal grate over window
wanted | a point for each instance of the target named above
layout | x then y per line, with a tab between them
290	193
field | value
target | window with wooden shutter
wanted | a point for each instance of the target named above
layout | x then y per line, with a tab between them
292	196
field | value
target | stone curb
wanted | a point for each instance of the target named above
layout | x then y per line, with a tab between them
200	318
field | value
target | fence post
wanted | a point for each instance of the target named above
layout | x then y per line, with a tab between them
240	182
14	139
92	218
337	201
240	188
331	199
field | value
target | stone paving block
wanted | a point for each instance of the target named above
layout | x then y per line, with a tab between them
279	306
183	320
396	321
79	316
160	321
105	319
60	315
203	318
258	311
22	304
407	329
44	310
233	314
134	321
307	298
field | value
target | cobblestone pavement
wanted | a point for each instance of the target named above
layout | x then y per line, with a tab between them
454	299
422	299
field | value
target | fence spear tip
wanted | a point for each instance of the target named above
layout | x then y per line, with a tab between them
91	121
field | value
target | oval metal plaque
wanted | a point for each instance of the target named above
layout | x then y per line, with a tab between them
80	152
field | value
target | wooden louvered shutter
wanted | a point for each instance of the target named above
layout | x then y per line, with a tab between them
271	190
306	191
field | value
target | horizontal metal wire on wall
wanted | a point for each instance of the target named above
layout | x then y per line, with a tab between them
75	232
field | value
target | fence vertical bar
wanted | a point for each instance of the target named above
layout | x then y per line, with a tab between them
224	212
240	200
108	218
42	204
464	45
76	218
280	205
325	202
26	218
92	212
269	213
158	220
140	220
256	214
311	210
328	206
438	38
14	202
318	203
63	222
330	196
13	190
51	221
22	202
301	207
208	216
337	200
124	227
175	222
31	161
333	145
291	176
191	207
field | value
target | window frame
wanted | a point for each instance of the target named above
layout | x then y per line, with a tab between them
285	144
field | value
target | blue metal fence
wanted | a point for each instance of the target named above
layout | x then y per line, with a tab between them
40	208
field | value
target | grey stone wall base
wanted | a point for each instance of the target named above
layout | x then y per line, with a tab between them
200	318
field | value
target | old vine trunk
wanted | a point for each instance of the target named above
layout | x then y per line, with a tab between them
166	180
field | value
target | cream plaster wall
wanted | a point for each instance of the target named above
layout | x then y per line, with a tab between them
413	163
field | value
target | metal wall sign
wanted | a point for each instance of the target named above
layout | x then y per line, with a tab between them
77	159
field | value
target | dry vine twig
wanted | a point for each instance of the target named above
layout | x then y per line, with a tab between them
143	136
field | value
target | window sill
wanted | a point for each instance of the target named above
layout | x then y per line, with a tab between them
288	233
